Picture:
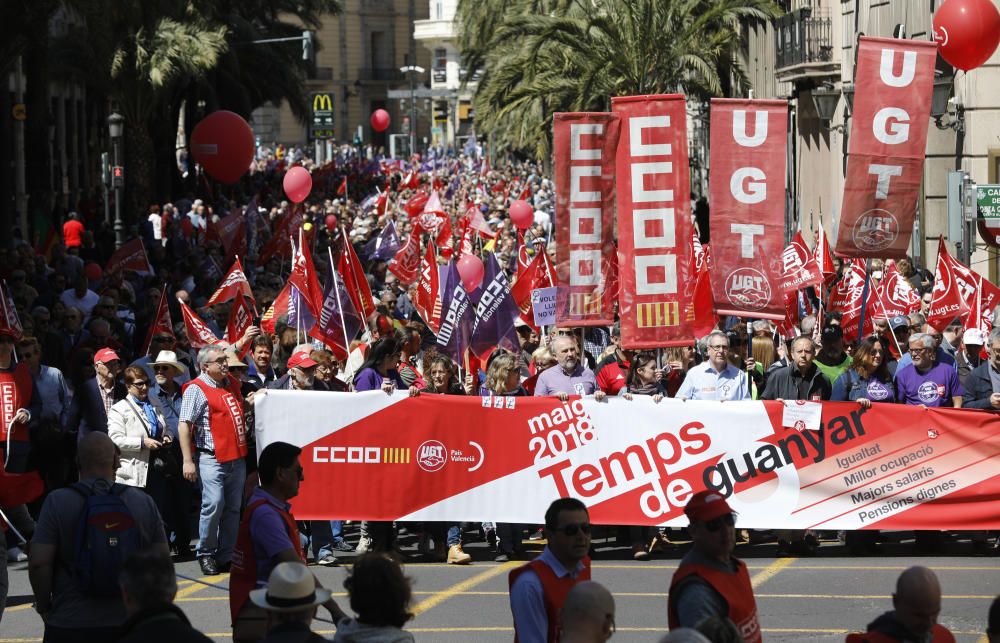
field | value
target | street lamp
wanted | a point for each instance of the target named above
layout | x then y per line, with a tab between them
944	104
825	99
116	126
413	70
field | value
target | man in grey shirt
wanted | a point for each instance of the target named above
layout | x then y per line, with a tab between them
569	376
71	615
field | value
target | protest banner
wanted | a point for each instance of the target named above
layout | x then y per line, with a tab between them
583	149
636	462
747	183
654	222
543	306
885	161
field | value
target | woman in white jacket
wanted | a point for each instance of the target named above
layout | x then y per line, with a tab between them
137	426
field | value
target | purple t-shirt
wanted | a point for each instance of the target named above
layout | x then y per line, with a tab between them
553	380
268	534
935	387
370	380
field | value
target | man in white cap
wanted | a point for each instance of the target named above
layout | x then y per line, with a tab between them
290	600
968	356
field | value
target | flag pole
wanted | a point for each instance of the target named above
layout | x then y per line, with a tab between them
340	306
886	313
363	311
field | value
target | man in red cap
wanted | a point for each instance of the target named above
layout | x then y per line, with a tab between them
710	581
301	375
98	394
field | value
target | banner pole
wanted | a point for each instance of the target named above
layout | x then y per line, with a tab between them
340	306
864	299
886	313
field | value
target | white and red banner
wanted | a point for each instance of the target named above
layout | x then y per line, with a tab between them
889	467
747	193
799	266
583	147
654	222
888	140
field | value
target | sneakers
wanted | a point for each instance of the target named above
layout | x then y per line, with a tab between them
458	557
639	552
538	535
502	558
329	560
364	544
341	545
16	555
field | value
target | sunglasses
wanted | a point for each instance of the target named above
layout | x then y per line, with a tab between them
715	524
162	369
141	383
572	528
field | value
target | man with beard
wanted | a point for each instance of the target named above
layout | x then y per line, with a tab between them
569	376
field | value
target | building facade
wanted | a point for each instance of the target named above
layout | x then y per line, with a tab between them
811	51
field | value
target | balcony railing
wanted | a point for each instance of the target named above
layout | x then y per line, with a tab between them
380	74
801	38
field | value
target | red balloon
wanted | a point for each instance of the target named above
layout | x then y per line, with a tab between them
522	214
331	222
967	32
380	120
471	269
297	183
223	144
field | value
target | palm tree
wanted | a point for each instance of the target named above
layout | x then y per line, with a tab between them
577	56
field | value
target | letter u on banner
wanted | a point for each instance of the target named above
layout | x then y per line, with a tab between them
584	150
747	193
654	222
888	141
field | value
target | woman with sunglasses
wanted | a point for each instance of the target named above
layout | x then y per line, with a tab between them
867	380
136	425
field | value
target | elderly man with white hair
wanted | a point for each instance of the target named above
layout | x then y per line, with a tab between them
927	381
569	376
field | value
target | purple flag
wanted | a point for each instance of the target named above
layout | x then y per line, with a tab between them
456	316
297	307
495	314
328	328
385	245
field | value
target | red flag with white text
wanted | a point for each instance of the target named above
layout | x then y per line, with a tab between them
799	266
747	193
304	278
889	120
654	221
428	299
954	291
406	264
198	333
162	324
240	319
131	256
583	148
355	281
895	294
847	297
279	308
234	282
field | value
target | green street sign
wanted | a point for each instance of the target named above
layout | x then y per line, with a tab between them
988	201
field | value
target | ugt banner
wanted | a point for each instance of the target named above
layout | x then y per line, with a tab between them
888	140
438	457
584	150
747	183
654	222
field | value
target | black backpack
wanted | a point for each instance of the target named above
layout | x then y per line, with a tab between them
106	534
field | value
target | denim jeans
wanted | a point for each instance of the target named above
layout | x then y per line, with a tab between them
449	533
221	496
324	534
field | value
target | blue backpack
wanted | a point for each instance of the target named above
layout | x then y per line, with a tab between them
106	535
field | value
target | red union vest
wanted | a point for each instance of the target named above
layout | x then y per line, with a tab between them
15	393
226	419
554	589
243	573
939	633
735	589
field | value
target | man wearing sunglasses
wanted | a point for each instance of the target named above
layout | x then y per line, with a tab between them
710	581
539	589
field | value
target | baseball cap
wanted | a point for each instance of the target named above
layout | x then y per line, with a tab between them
832	334
705	505
106	355
973	336
899	321
301	360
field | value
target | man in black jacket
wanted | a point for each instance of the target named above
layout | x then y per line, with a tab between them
982	386
800	380
148	586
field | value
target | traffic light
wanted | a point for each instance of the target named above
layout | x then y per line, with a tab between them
441	110
308	50
105	168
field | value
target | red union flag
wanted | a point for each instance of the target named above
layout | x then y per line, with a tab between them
889	467
954	293
428	299
895	294
235	282
888	139
654	221
584	153
198	333
162	325
799	266
747	181
989	298
847	297
131	256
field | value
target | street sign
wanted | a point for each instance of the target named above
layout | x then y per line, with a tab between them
988	219
321	115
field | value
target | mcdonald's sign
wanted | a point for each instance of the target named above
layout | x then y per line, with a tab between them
321	115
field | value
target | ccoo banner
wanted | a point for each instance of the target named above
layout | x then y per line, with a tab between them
747	182
584	150
888	140
654	222
506	458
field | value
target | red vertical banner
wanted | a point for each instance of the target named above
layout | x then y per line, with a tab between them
583	146
654	222
747	193
888	139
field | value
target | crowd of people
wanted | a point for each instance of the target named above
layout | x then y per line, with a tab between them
110	406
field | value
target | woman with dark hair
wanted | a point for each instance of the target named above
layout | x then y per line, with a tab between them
867	380
379	368
442	378
641	378
380	595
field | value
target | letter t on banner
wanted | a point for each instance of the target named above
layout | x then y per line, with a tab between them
888	139
584	150
654	222
747	183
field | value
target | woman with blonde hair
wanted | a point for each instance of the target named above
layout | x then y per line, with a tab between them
763	354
